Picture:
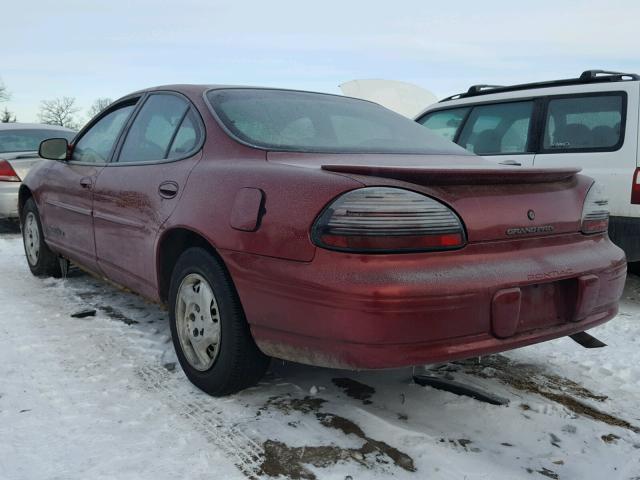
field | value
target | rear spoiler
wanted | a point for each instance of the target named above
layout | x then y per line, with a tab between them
459	176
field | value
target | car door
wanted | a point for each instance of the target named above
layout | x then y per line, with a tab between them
140	188
68	199
500	132
595	131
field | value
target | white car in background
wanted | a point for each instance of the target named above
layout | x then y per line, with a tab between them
590	121
19	143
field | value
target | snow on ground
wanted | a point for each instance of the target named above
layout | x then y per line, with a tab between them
101	397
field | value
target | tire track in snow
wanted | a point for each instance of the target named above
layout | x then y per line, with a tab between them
122	342
247	453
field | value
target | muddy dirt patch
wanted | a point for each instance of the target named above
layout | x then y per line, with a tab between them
532	379
355	389
288	405
292	462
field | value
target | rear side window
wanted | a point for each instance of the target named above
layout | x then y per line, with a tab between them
498	129
157	132
187	137
445	122
584	123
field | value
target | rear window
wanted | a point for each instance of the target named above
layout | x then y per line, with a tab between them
285	120
28	140
584	123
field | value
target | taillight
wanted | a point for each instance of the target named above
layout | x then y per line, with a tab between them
635	187
7	173
384	219
595	213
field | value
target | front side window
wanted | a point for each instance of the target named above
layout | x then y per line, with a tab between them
283	120
28	140
579	123
497	129
445	122
154	129
96	145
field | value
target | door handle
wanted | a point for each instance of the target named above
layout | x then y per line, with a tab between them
86	182
168	189
511	163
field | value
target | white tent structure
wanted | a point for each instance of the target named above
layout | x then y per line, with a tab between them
404	98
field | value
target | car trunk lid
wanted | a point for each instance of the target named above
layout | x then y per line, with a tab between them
494	202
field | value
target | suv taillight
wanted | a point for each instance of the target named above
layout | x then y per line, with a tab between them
635	188
595	213
386	220
7	173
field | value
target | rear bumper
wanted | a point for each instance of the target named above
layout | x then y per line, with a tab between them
384	311
9	199
625	232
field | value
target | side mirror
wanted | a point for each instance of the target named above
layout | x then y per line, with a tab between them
54	149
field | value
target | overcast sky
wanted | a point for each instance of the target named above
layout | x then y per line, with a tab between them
87	49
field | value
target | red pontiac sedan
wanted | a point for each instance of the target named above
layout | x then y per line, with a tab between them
319	229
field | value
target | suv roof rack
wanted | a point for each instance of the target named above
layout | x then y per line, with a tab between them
475	89
588	76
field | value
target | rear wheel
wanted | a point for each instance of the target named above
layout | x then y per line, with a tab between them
208	327
42	261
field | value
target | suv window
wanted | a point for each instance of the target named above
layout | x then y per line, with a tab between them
578	123
152	131
445	122
499	128
96	144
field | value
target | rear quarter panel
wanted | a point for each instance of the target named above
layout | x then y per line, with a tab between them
292	198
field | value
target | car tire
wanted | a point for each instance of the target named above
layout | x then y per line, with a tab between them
41	260
203	306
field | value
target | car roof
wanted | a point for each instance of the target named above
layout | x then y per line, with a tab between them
201	88
33	126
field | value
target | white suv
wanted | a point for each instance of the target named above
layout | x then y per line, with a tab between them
590	121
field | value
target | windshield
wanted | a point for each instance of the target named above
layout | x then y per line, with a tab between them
28	140
284	120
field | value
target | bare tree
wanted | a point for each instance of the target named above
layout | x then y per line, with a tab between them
99	105
4	94
7	117
59	111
